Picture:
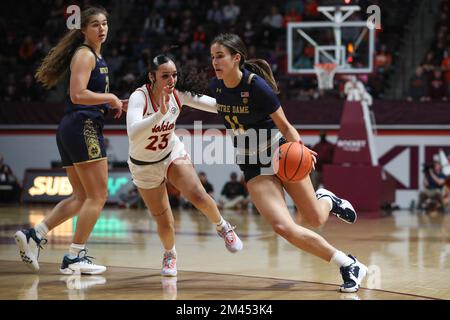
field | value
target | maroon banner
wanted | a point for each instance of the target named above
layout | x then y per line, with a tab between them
352	147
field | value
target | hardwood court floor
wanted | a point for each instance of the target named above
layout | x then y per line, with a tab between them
408	256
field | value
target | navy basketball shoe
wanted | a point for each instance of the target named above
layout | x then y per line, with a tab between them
352	275
341	207
29	247
81	264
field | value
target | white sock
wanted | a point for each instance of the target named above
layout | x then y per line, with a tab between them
222	223
41	230
327	199
341	259
172	251
75	249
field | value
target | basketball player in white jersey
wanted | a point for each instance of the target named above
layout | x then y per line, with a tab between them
157	154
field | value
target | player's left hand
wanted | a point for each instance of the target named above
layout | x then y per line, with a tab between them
313	154
314	157
125	105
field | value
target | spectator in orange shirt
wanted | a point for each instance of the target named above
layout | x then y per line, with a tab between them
27	50
418	87
311	11
446	68
291	16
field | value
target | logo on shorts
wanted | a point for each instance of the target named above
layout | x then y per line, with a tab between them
94	151
91	140
173	110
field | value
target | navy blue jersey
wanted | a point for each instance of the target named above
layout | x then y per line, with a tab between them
98	82
247	106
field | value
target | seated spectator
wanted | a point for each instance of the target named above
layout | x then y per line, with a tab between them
29	91
199	39
432	197
231	11
291	15
274	19
438	89
27	51
110	150
112	157
174	195
208	186
273	23
131	199
234	194
311	10
383	60
445	65
429	64
325	150
10	187
418	86
215	14
11	93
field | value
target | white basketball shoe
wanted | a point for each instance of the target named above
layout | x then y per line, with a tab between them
82	264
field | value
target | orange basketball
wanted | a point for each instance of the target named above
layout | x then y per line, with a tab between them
292	162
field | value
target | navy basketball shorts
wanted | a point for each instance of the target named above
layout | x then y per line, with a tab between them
252	166
80	138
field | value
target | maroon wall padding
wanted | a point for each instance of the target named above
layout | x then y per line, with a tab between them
352	175
320	112
353	145
361	185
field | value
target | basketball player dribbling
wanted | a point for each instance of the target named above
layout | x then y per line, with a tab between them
156	154
245	91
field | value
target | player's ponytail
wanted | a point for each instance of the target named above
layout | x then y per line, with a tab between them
56	64
262	68
258	66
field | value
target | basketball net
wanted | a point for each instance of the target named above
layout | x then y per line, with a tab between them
325	75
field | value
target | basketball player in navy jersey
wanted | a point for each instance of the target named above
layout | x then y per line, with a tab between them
245	91
79	139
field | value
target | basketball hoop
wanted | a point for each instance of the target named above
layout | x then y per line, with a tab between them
325	75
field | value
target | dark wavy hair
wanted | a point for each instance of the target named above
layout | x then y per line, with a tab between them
191	78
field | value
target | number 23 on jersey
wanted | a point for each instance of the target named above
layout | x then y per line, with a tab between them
158	142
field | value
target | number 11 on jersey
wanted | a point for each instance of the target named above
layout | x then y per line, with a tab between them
234	123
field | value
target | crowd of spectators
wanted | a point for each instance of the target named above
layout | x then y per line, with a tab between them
182	29
431	80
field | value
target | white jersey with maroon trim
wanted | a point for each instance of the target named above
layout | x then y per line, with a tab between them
150	133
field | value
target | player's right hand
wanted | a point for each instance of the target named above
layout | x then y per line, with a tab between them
116	104
164	100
